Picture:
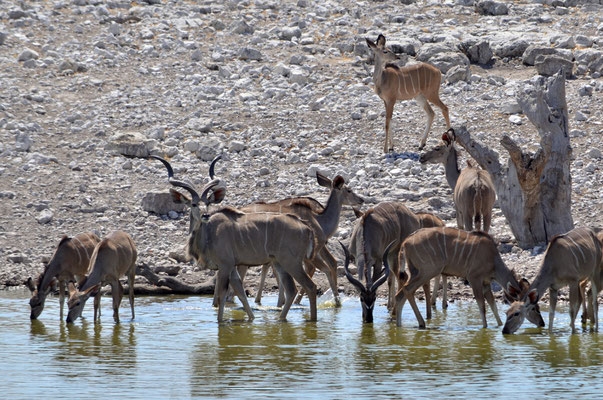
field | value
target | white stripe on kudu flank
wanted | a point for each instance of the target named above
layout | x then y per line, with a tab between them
444	242
578	247
470	251
456	245
412	81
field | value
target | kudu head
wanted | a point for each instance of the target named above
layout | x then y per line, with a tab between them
439	154
382	54
38	295
218	191
368	294
77	300
348	197
524	305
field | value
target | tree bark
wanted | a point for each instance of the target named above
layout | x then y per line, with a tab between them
176	286
534	190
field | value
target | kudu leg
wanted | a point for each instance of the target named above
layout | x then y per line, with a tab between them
61	297
258	295
492	303
290	291
306	283
97	309
552	306
389	112
117	292
595	303
435	99
222	281
487	222
436	288
574	298
239	290
331	262
131	288
427	300
430	115
478	293
310	270
444	292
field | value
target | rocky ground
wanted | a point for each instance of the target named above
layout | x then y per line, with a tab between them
280	89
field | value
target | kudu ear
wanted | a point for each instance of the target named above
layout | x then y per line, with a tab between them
180	198
357	212
370	43
92	291
512	293
338	182
71	288
381	40
533	296
323	180
30	284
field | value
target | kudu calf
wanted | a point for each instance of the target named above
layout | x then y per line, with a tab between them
114	257
473	190
569	259
392	83
228	237
470	255
70	260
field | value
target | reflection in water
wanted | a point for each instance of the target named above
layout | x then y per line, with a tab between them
176	349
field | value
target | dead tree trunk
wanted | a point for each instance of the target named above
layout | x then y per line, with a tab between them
534	190
176	285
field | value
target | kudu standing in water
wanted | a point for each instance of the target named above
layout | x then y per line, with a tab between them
569	259
228	237
470	255
69	262
392	83
473	190
114	257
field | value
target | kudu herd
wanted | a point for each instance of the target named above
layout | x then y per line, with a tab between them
389	242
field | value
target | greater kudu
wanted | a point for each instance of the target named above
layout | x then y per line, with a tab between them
113	257
228	237
569	259
473	190
70	261
470	255
392	83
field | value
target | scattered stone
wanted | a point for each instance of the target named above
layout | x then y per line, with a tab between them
161	203
28	54
489	7
549	65
45	216
131	144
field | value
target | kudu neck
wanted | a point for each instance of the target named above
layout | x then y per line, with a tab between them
328	219
452	168
544	278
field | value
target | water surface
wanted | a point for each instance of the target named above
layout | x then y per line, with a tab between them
175	349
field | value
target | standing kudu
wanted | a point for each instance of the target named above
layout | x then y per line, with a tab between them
71	259
228	237
470	255
392	83
427	220
569	259
114	257
379	226
587	296
324	222
474	193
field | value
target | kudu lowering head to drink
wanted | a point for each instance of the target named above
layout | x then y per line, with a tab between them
379	226
470	255
473	190
569	259
114	257
392	83
368	293
70	260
